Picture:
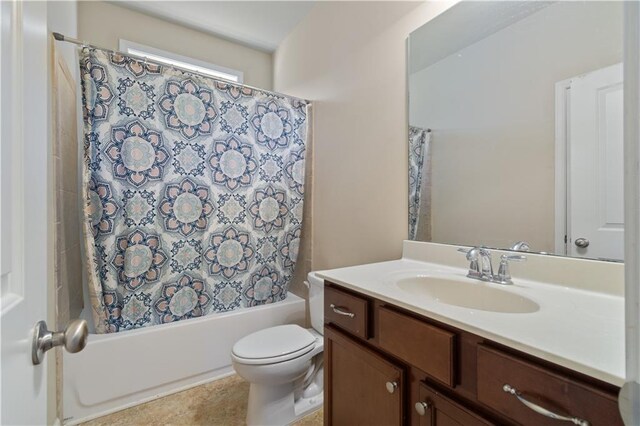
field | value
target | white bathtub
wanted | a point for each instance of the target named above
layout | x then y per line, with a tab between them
116	371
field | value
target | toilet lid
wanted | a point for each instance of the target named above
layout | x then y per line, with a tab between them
274	342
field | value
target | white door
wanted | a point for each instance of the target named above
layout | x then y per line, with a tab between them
24	237
595	207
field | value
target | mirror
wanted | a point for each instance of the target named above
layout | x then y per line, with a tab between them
515	127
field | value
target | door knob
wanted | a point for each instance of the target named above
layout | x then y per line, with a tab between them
582	242
74	339
391	386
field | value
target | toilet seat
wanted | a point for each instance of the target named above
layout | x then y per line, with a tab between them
274	345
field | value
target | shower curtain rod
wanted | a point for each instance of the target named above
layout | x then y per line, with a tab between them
62	37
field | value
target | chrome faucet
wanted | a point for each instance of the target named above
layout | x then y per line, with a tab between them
521	246
486	264
481	267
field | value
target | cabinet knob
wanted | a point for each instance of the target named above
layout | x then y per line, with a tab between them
421	408
392	386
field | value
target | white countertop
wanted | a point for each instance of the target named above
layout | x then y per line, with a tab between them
579	329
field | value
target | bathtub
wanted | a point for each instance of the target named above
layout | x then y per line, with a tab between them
116	371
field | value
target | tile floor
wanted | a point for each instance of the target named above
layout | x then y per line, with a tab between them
219	403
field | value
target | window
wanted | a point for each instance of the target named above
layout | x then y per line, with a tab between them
173	59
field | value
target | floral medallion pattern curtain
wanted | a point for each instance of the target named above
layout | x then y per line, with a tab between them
419	171
194	192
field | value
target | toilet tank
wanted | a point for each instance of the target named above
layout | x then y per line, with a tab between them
316	301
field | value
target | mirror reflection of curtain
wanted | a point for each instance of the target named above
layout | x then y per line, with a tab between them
419	184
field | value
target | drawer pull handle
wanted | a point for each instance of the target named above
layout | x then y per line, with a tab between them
391	386
339	310
540	410
422	407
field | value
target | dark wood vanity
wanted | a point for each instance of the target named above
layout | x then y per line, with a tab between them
388	366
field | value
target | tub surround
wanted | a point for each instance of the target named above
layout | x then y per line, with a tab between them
579	324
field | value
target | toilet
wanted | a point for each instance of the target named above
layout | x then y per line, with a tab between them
284	366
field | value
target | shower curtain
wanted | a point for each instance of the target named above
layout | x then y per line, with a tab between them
194	192
419	175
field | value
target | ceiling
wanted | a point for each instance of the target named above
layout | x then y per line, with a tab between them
259	24
462	25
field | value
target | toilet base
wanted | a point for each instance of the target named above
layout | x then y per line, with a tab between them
275	405
306	406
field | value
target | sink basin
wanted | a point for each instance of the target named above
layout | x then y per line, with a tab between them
466	294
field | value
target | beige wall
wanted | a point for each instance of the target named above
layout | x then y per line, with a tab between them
349	58
492	110
104	24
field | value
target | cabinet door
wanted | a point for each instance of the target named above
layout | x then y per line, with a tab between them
435	409
361	387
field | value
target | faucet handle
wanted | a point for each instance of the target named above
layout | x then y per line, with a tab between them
504	274
473	254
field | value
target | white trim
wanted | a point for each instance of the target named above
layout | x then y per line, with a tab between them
630	401
562	191
180	61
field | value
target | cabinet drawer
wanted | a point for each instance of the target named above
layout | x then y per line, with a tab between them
425	346
434	408
347	311
554	392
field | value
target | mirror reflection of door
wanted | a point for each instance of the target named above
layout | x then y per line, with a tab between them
594	163
500	172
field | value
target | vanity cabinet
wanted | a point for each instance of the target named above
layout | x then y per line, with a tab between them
388	366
